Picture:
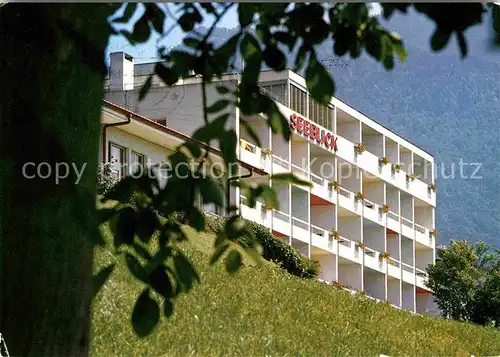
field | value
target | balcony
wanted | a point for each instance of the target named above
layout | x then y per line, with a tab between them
369	162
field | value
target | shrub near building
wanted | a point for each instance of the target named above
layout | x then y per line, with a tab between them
274	249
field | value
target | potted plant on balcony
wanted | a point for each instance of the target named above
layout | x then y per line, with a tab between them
433	233
359	196
337	284
361	245
395	167
410	177
384	209
266	153
334	186
335	234
359	148
266	207
383	160
432	187
384	256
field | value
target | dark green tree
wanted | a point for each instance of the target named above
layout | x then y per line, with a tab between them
464	282
52	71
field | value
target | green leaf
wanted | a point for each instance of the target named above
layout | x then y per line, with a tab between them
136	268
142	251
100	278
196	219
141	31
439	39
227	142
185	270
125	227
166	74
160	282
105	214
319	81
269	196
222	89
218	106
389	61
219	251
278	122
212	130
191	42
168	308
399	47
145	88
462	44
211	191
147	223
250	131
274	58
146	314
155	16
233	261
290	178
245	13
129	11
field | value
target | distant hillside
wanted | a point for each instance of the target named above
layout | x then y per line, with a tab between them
445	105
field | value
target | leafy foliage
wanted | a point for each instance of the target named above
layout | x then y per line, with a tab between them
105	178
464	282
265	29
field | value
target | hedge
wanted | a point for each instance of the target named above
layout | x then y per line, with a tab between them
274	249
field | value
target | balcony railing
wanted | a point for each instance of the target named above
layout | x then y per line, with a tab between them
245	145
281	162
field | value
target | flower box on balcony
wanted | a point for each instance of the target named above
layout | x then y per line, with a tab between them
410	177
384	256
359	196
383	161
433	233
384	208
334	186
395	167
266	152
359	148
335	235
432	187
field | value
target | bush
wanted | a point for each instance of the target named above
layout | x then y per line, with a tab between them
274	249
105	178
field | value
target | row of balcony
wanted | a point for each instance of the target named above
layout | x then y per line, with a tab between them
324	239
347	199
347	151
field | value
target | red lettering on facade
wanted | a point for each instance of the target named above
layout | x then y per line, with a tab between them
322	136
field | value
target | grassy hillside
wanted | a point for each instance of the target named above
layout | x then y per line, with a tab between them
263	310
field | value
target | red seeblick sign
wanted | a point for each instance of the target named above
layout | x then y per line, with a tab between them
313	132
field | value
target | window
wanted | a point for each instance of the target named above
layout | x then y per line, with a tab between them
117	159
276	92
298	99
136	161
320	114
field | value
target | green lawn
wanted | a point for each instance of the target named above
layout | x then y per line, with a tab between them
264	311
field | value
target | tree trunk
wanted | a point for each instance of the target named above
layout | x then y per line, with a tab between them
51	73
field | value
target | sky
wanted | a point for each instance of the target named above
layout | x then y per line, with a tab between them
147	52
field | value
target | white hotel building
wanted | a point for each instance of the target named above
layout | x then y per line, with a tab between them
379	244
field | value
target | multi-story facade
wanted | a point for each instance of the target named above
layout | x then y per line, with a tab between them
369	216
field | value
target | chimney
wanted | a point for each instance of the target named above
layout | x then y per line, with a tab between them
121	71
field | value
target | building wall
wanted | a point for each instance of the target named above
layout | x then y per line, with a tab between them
180	105
154	153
